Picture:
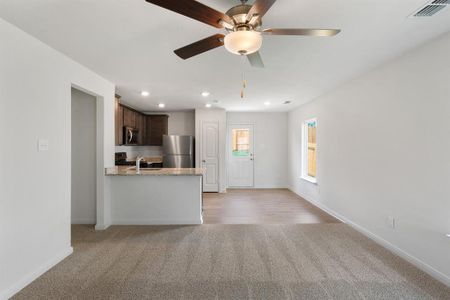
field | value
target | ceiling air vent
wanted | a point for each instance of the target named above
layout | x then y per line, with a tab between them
431	8
443	2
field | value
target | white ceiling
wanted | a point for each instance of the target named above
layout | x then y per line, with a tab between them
131	42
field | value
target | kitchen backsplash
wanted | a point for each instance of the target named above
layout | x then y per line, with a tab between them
134	151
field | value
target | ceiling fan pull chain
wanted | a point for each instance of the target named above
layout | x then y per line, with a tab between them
244	84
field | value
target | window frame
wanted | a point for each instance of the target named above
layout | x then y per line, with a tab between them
304	151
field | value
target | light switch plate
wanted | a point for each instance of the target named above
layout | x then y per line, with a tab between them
42	145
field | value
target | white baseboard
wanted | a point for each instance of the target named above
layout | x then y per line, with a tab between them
83	221
388	245
35	274
99	226
258	187
157	222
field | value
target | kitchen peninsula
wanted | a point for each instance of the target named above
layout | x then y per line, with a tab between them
155	196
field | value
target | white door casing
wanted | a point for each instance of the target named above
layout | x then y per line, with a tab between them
240	155
210	156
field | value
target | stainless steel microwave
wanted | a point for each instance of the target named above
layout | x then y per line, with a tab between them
130	135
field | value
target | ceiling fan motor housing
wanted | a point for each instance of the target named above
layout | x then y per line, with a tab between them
238	14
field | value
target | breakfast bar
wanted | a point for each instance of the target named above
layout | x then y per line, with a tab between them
155	196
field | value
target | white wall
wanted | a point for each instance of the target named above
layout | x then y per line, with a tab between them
216	115
35	95
181	122
383	150
134	151
84	167
270	146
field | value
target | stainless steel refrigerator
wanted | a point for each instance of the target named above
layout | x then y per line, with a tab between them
178	151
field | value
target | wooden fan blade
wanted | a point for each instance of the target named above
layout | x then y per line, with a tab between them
255	60
195	10
259	8
301	31
201	46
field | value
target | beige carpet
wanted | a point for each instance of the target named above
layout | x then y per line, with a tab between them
317	261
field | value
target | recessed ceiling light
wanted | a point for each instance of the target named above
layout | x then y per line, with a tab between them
208	105
267	103
205	94
161	105
448	235
145	93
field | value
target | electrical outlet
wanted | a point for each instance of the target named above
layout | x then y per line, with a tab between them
390	221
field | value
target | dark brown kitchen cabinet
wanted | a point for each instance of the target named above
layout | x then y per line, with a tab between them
151	127
118	121
140	125
157	126
129	117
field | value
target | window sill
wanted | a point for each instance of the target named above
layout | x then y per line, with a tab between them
309	179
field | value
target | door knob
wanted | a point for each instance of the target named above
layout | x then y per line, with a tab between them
204	161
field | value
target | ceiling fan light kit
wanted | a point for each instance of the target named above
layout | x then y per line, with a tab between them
242	23
243	42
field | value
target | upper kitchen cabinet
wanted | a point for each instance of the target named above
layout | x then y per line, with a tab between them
129	117
151	128
118	121
141	121
157	126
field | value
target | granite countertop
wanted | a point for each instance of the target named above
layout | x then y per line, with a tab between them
131	171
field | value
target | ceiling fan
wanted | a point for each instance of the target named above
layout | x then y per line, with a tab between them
242	23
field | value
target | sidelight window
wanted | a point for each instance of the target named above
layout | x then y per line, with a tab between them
309	150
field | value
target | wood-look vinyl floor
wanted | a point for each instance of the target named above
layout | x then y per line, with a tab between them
261	206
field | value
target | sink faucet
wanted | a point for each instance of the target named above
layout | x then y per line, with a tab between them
138	164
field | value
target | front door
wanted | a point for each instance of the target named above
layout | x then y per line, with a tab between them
210	156
240	156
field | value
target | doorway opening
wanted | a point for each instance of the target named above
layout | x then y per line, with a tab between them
83	158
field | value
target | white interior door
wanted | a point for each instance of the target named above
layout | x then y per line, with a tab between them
240	156
210	156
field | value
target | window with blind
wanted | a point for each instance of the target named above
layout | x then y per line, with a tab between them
309	150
